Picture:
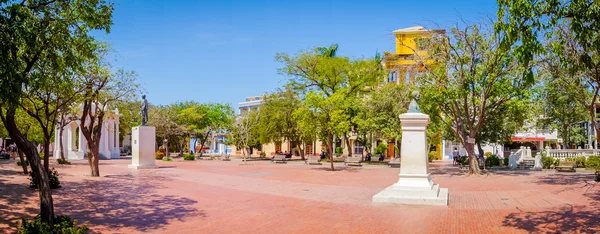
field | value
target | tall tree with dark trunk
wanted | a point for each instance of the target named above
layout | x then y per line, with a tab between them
53	32
470	79
44	97
101	88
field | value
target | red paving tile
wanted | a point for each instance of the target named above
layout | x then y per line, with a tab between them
228	197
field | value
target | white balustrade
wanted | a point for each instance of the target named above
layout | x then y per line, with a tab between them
562	154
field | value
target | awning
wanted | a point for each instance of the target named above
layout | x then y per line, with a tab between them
527	138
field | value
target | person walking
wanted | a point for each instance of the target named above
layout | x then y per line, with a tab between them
456	156
13	151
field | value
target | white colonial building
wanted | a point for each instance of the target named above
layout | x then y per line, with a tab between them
75	144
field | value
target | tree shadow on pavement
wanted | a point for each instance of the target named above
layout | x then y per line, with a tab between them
338	168
123	201
13	196
569	219
566	179
509	172
451	171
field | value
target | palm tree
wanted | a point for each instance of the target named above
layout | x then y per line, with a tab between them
327	51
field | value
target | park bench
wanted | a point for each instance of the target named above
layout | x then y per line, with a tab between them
566	166
313	160
278	158
353	161
395	162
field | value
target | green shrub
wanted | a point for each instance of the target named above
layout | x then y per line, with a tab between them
52	176
41	155
379	149
492	161
548	162
580	162
432	155
159	155
189	157
339	150
62	225
593	163
263	154
488	154
464	160
167	159
20	163
505	161
62	161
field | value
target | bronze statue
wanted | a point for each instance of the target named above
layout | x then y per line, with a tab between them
144	110
413	107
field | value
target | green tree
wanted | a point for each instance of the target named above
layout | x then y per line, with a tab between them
571	25
164	119
470	79
279	119
37	35
329	84
101	88
51	91
242	130
379	111
563	99
204	120
129	116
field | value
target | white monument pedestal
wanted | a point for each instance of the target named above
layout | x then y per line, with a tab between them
143	147
415	186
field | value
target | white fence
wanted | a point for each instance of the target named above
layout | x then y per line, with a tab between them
571	153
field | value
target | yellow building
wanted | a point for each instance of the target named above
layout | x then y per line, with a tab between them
408	60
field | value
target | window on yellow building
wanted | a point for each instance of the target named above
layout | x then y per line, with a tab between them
392	76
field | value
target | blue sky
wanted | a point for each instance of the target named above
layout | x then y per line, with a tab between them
223	51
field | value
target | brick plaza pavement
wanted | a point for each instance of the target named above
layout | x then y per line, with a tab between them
226	197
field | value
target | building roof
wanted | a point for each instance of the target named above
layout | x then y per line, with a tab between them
415	29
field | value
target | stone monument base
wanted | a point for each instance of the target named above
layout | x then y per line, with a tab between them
142	166
143	147
435	196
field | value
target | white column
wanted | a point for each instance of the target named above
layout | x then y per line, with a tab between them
415	185
82	142
70	138
57	148
117	135
111	137
103	149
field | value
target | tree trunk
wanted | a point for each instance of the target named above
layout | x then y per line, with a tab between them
47	153
481	153
60	140
92	156
473	165
23	164
347	142
330	148
45	195
301	150
202	145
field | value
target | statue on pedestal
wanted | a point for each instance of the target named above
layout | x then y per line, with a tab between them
144	110
413	107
